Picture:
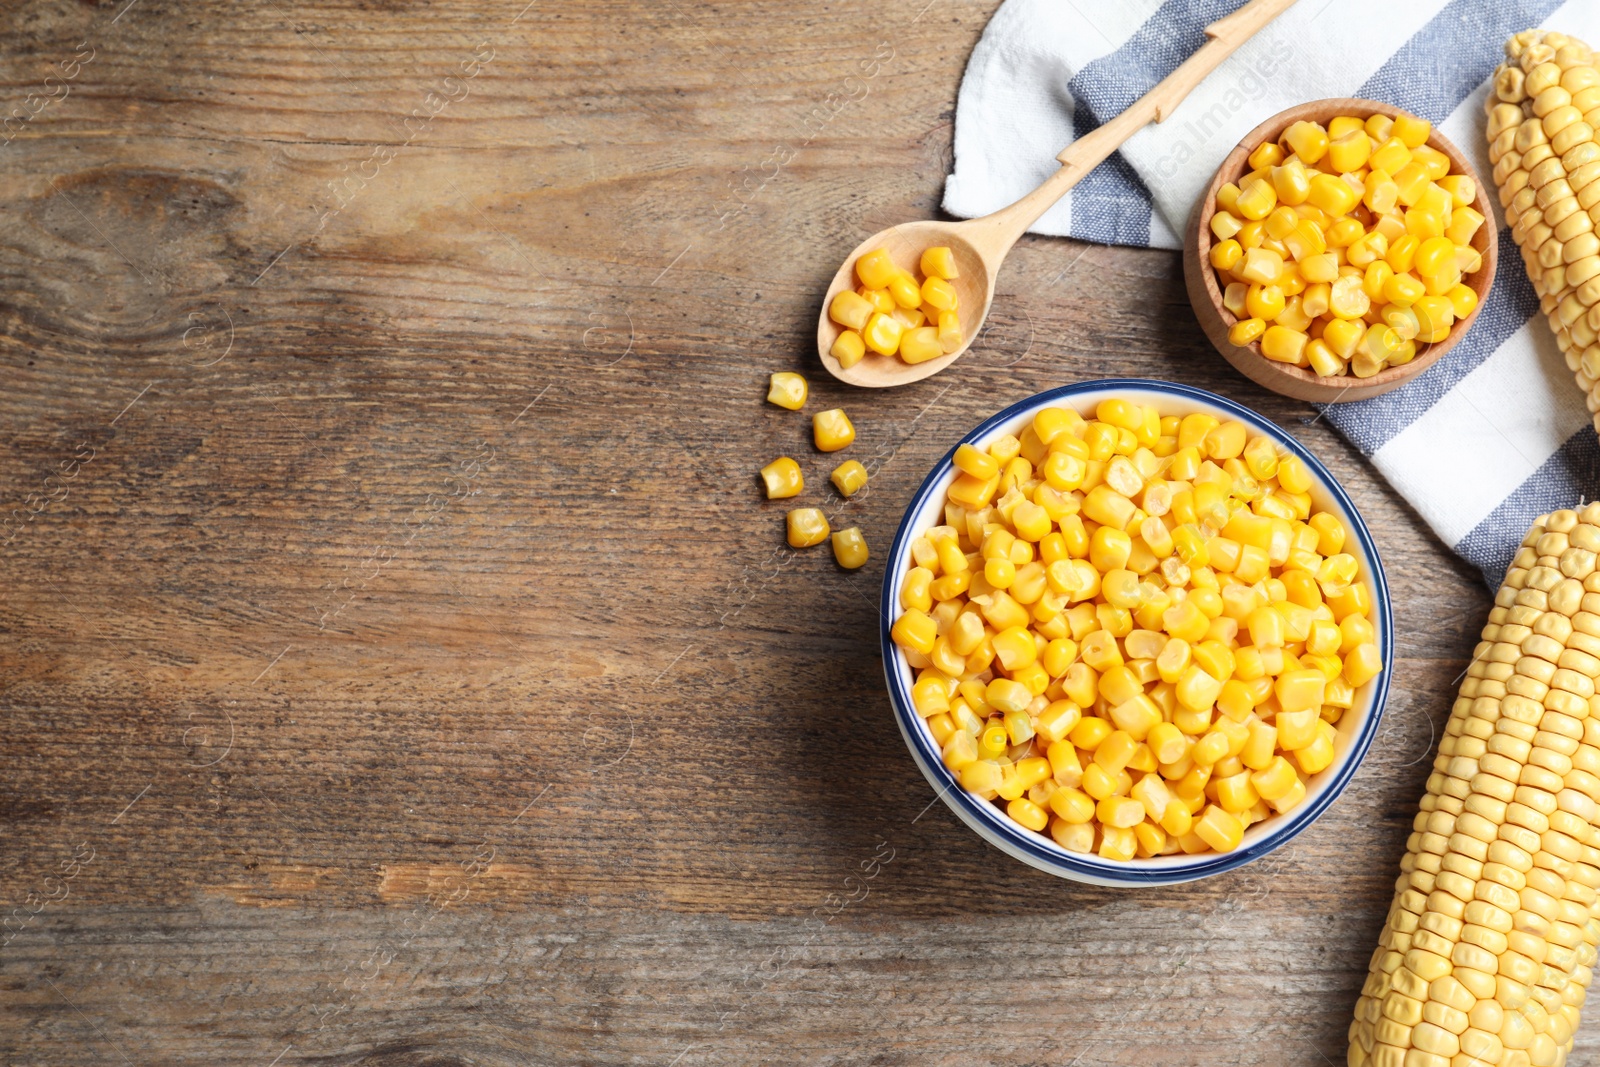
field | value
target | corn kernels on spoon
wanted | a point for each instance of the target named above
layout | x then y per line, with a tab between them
980	245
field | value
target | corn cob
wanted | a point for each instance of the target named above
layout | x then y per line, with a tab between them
1487	953
1542	117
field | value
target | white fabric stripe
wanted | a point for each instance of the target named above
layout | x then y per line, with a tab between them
1019	70
1464	129
1020	87
1087	39
1483	439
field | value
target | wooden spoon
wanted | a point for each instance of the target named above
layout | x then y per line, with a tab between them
980	245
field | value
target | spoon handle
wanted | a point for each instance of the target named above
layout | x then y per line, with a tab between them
1084	154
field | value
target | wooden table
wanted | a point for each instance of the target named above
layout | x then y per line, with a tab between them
401	666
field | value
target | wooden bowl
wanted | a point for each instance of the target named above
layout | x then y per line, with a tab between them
1205	293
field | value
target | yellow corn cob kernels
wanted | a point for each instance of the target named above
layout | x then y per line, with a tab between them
1244	331
1283	344
1544	150
940	294
882	334
1490	942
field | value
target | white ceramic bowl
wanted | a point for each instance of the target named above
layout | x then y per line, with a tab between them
1355	729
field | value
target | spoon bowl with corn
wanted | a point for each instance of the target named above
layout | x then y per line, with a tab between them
977	247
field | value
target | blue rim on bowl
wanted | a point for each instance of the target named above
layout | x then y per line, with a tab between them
1038	850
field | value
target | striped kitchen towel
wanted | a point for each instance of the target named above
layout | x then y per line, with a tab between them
1491	436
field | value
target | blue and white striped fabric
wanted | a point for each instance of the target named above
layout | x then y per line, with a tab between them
1487	439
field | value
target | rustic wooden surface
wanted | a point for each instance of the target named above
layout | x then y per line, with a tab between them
399	664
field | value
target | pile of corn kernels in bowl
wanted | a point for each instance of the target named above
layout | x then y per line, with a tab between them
1345	247
1135	632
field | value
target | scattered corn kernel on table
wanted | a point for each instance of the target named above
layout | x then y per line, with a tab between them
403	664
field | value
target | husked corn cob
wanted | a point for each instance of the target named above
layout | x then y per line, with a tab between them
1541	128
1490	943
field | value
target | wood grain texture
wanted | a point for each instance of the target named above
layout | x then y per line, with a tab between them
400	666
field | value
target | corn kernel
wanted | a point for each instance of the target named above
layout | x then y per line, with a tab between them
1291	181
1283	344
1308	140
1261	266
848	348
1322	359
783	478
1225	254
905	291
1306	239
1225	226
878	298
1245	331
920	345
848	477
1412	131
950	338
1264	302
1320	268
787	390
1463	225
910	319
882	334
832	430
940	294
1347	299
850	309
1256	200
850	548
1266	155
807	527
1027	813
1461	188
1362	664
876	269
1350	151
1219	829
1463	300
939	262
1117	843
1332	194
